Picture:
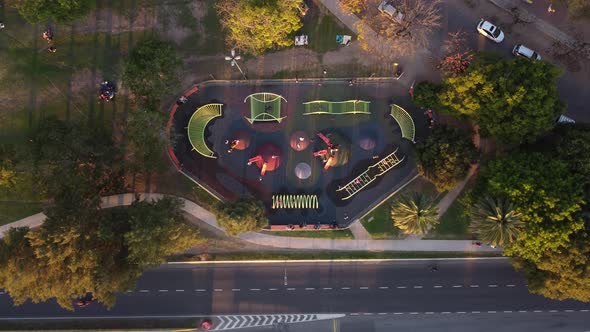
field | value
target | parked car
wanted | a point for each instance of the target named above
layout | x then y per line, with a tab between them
490	31
387	8
526	52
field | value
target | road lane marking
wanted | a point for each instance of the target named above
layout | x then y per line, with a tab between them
507	311
367	313
327	288
413	313
345	288
457	286
309	288
363	287
537	310
290	289
215	290
129	291
383	287
235	289
180	290
461	312
568	310
144	290
200	290
475	312
162	290
401	287
511	285
417	286
273	289
437	286
398	313
583	310
552	310
492	286
255	289
445	312
522	311
354	314
491	312
382	313
473	286
429	313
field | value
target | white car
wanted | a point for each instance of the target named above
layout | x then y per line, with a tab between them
526	52
490	31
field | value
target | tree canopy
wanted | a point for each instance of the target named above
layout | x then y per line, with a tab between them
445	157
150	71
61	11
146	139
255	26
244	215
102	252
513	100
414	213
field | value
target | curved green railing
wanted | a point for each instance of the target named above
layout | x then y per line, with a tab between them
405	122
197	125
336	107
265	106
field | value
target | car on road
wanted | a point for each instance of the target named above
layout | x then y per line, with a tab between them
387	8
84	301
526	52
490	31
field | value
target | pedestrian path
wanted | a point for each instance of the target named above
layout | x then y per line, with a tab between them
209	218
358	231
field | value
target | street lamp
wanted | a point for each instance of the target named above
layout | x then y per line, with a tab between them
233	60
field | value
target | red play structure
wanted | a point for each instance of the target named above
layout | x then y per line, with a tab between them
328	154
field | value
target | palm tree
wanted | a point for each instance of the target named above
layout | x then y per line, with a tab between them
414	213
496	221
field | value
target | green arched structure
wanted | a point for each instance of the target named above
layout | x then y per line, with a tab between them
197	125
405	122
336	107
265	106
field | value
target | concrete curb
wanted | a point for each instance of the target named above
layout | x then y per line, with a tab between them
319	261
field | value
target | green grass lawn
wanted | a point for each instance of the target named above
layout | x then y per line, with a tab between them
378	222
13	211
322	29
453	225
325	234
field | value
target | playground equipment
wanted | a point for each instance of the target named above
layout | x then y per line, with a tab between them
240	141
405	122
264	107
267	158
336	107
371	174
107	91
197	125
295	202
328	155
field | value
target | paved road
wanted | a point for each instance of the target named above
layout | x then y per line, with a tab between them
400	288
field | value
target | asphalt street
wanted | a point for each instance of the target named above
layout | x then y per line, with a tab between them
401	288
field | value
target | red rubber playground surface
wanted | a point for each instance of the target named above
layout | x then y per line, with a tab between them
309	163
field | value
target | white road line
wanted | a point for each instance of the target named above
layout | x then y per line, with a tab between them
413	313
445	312
553	310
354	314
200	290
345	288
272	289
235	289
310	288
429	313
437	286
507	311
255	289
290	289
475	312
461	312
510	285
568	310
401	287
144	291
129	291
398	313
180	290
473	286
363	287
382	313
327	288
383	287
491	312
522	311
162	290
537	310
457	286
417	286
367	313
216	290
492	285
583	310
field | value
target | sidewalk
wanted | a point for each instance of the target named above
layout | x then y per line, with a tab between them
207	217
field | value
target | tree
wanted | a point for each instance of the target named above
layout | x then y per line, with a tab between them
406	35
255	26
150	71
445	157
97	251
546	194
146	139
457	57
579	8
426	94
414	213
7	175
496	221
62	11
244	215
504	105
353	6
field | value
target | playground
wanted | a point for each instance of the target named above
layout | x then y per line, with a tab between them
319	153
